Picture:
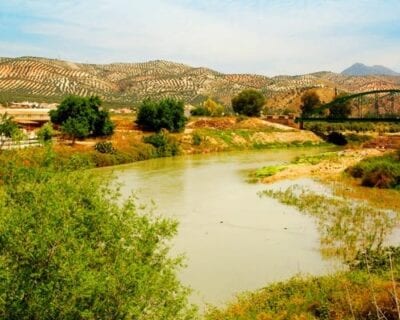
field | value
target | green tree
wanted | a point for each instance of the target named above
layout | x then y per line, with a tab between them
70	250
45	133
164	114
8	129
82	117
340	109
310	101
75	128
249	103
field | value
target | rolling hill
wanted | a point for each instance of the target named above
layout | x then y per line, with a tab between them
126	84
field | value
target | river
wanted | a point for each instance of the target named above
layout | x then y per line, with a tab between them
233	239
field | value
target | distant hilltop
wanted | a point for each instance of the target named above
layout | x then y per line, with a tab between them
122	85
359	69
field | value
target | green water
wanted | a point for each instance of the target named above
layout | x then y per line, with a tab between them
233	239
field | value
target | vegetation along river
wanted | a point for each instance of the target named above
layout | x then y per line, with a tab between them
233	239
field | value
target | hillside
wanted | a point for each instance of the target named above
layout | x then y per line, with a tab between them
125	84
359	69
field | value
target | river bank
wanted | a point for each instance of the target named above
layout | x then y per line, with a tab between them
201	136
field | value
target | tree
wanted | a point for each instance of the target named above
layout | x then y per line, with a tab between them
309	103
82	117
45	133
70	250
8	129
164	114
249	103
340	109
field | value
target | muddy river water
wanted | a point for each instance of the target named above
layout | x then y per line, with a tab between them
233	239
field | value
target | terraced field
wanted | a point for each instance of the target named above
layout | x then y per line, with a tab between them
121	84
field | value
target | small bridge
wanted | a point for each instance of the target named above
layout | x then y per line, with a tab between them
369	106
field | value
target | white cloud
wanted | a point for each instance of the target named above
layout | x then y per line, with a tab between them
277	37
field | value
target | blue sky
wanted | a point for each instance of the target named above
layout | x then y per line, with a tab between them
255	36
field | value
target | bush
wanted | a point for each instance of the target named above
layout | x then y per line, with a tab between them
200	112
104	147
196	139
166	146
380	172
213	108
70	250
46	133
164	114
336	138
249	103
377	261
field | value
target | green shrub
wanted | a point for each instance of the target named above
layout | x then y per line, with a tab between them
104	147
70	250
336	138
200	111
165	144
46	133
380	172
196	139
164	114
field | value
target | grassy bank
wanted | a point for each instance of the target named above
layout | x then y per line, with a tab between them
355	295
380	172
203	135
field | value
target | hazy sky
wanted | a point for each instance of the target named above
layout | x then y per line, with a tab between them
266	37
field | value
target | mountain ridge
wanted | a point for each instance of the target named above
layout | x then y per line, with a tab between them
360	69
126	84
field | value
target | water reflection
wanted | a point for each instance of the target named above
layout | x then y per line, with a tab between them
346	227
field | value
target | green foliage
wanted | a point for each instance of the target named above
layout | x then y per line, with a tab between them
379	172
248	102
75	128
82	117
165	144
104	147
9	129
340	109
164	114
196	139
70	250
315	159
326	127
309	103
336	138
268	171
377	261
45	133
7	126
200	112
